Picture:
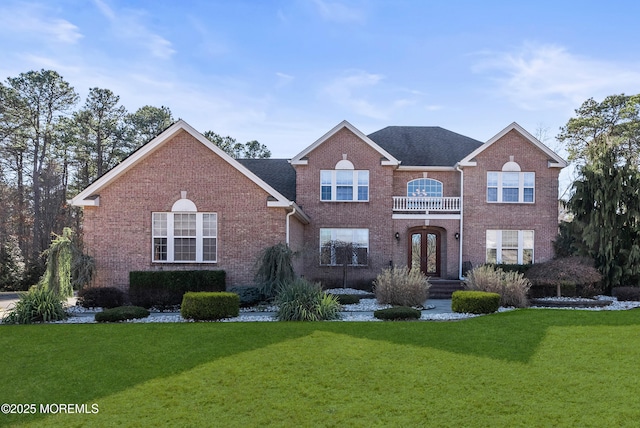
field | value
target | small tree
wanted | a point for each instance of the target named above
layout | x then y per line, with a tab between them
274	268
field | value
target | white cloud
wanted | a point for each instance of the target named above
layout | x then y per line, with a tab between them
338	12
343	91
34	20
538	77
128	25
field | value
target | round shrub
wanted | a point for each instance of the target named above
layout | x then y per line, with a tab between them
301	300
401	286
100	297
347	299
121	313
398	313
210	306
249	296
474	302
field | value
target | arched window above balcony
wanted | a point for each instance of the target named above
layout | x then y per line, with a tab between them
424	187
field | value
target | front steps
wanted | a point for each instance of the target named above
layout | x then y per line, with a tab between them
444	288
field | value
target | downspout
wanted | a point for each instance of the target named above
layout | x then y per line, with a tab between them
293	211
461	219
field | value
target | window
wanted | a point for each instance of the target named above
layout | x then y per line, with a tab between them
510	246
344	185
509	186
185	237
424	187
338	246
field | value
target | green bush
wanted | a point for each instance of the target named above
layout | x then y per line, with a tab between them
512	286
249	295
209	305
101	297
301	300
121	313
36	305
626	293
401	286
347	299
474	302
397	313
164	289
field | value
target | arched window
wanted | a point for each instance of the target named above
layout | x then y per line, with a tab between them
424	188
344	183
184	235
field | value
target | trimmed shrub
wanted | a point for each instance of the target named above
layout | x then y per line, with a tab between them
347	299
210	305
401	286
36	305
301	300
164	289
565	277
397	313
100	297
249	295
121	313
512	286
474	302
626	294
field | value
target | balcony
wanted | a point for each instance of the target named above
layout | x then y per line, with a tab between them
425	205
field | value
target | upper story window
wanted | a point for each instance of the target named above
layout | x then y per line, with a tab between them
344	183
511	185
184	235
424	187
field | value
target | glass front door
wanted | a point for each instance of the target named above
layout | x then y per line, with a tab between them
424	251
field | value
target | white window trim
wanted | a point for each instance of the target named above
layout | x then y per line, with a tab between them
334	231
521	247
170	238
521	188
425	178
354	185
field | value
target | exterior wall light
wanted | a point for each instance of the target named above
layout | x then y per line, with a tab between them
457	235
397	236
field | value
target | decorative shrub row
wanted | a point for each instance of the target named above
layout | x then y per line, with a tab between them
474	302
626	293
121	313
249	295
164	289
397	313
209	305
101	297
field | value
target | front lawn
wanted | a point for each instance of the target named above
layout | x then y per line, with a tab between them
521	368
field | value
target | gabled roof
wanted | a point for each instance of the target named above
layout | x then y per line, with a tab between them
276	172
555	161
90	195
387	158
424	145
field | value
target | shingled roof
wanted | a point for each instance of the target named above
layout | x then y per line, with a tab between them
424	145
278	173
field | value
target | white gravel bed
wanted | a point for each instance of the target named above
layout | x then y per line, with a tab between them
614	306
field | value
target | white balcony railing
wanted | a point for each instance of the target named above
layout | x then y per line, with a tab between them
425	204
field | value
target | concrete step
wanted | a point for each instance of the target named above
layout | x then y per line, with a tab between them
444	288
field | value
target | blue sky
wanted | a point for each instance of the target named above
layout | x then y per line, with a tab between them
286	71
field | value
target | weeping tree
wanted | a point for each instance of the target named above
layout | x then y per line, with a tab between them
274	268
67	267
606	208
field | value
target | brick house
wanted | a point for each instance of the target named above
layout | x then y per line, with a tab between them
418	196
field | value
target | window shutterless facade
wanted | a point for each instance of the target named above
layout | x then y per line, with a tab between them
183	237
509	246
344	185
511	187
338	246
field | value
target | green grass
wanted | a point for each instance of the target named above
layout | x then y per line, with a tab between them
521	368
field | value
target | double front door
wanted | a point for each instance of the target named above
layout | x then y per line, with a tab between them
424	250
